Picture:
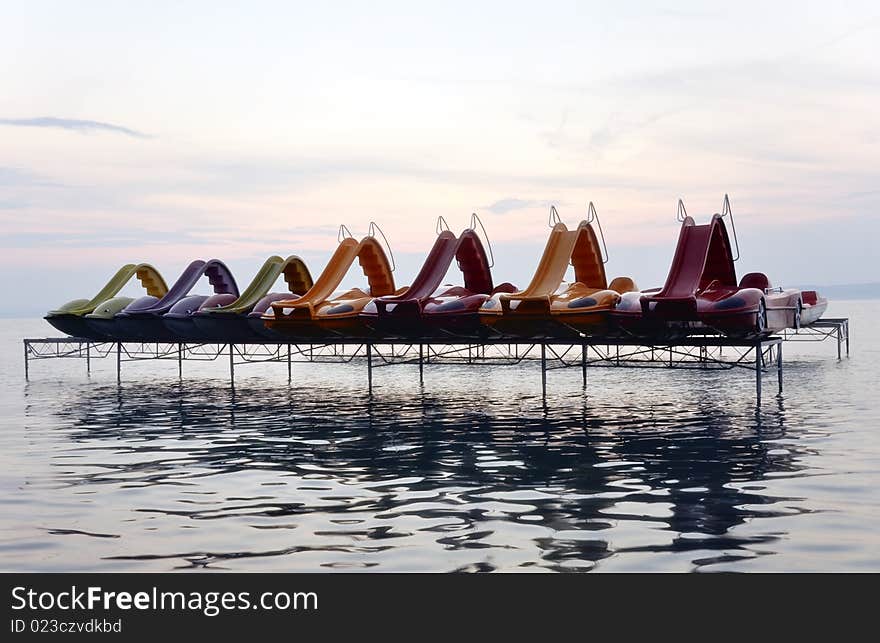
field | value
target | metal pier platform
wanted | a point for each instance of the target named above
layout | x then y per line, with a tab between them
715	352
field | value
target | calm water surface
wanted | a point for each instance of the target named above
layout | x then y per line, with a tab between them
649	470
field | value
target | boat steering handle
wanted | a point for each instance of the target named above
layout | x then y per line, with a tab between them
593	216
681	215
727	211
475	221
371	232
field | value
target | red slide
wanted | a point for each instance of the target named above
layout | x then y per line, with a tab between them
403	313
702	259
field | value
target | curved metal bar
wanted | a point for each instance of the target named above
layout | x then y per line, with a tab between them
344	233
441	224
725	211
474	221
374	228
593	216
554	217
681	215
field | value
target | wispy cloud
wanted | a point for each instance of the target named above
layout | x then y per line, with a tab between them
73	124
503	206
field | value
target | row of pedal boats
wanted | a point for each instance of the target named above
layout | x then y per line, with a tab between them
701	295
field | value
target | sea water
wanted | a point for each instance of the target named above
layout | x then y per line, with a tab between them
645	470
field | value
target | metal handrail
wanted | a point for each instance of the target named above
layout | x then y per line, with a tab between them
474	221
681	215
593	216
371	232
554	217
441	224
344	233
727	211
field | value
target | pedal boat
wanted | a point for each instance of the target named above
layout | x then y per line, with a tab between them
72	318
143	319
323	312
430	310
702	295
224	318
550	307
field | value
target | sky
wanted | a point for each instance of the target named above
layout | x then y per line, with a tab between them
169	131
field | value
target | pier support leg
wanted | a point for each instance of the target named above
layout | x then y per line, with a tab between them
421	365
370	368
179	361
118	362
289	373
846	326
89	359
544	370
231	367
26	351
759	365
584	364
839	339
779	365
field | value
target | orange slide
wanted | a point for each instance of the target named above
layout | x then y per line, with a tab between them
323	312
547	305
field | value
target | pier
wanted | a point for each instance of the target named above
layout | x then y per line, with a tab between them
763	356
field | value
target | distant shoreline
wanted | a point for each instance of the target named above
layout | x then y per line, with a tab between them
843	292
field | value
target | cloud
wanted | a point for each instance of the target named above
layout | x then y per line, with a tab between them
503	206
73	124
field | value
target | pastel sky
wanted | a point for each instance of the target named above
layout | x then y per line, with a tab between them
167	131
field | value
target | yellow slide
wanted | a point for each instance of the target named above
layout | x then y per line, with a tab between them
546	304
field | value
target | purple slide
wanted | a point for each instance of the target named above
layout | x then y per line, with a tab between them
141	320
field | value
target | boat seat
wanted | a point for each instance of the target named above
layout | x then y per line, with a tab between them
755	280
622	285
455	291
505	287
809	297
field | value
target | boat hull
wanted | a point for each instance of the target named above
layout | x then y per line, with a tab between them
73	325
226	327
141	328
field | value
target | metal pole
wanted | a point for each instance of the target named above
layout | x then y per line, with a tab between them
26	351
289	377
839	339
758	368
846	325
584	363
179	361
88	359
421	366
370	368
231	368
118	362
544	369
779	365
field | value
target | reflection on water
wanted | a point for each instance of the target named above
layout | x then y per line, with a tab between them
171	476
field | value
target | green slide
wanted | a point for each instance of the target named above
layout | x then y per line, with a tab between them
70	318
231	321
